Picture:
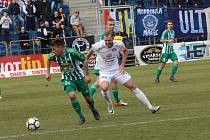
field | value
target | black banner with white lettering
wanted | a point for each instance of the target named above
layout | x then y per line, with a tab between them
188	22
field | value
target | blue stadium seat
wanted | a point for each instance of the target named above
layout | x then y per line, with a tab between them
3	50
66	10
15	49
69	32
15	36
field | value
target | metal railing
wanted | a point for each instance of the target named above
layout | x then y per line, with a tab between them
24	47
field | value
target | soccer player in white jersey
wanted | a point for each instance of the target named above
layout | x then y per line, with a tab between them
110	23
108	51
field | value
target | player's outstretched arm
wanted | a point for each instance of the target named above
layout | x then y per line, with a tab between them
48	75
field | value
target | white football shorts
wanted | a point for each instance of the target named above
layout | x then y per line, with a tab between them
119	77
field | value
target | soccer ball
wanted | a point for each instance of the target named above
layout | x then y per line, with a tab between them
32	124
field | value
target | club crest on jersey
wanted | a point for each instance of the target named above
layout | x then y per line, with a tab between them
67	67
81	44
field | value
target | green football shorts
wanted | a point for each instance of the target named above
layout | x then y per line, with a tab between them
164	57
79	85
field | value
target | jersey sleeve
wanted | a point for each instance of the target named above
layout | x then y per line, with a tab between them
76	54
164	35
120	45
174	35
95	47
51	57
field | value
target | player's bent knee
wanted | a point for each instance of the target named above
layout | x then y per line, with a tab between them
104	86
130	85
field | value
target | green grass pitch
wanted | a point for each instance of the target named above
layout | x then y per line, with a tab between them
184	113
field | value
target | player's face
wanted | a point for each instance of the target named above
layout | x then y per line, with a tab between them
58	50
170	25
108	41
110	25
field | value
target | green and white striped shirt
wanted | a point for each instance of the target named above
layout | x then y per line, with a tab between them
69	63
168	47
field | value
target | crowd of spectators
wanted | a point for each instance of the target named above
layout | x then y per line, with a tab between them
38	19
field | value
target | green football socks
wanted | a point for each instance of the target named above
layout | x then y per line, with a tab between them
93	89
158	72
77	108
115	94
174	69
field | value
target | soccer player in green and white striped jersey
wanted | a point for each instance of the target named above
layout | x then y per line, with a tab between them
72	76
167	38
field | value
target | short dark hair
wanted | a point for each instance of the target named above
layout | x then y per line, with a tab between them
169	21
57	42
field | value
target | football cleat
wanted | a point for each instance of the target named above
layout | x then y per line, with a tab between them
96	114
172	78
81	120
120	103
155	109
110	109
157	80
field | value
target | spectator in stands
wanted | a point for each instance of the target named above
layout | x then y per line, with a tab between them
42	34
48	29
61	12
76	23
24	44
57	19
14	10
56	4
5	22
45	10
37	4
29	10
57	31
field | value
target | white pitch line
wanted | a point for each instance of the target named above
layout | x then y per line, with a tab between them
103	126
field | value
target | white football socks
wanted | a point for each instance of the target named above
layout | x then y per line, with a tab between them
141	97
